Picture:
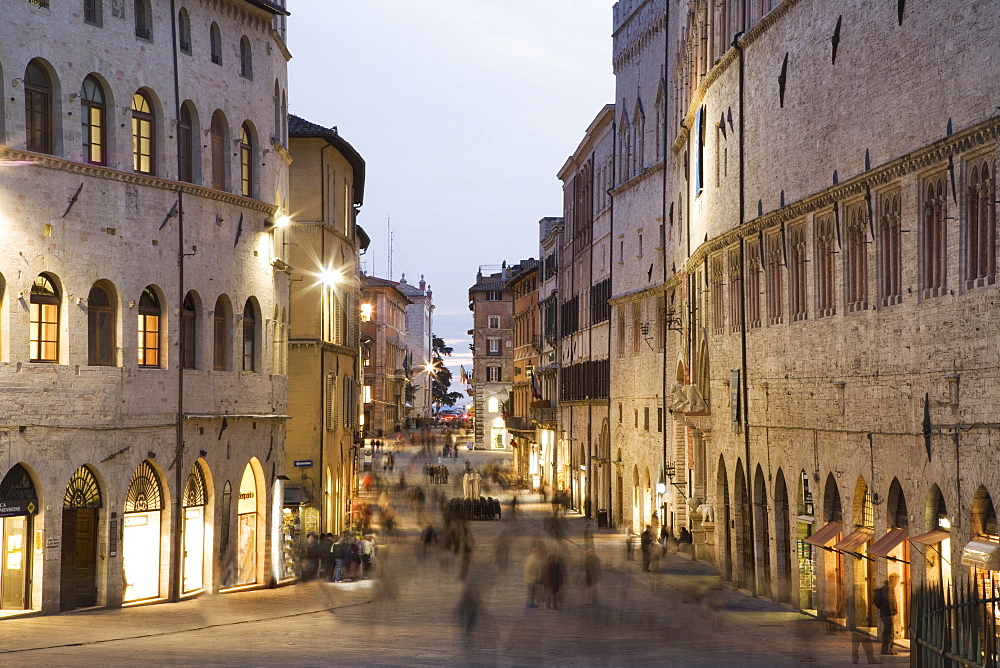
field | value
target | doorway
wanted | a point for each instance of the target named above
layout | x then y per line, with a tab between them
80	518
18	505
247	528
194	531
141	535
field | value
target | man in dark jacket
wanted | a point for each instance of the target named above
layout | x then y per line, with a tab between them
646	543
339	551
325	556
887	610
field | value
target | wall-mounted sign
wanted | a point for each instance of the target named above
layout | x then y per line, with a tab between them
303	463
18	507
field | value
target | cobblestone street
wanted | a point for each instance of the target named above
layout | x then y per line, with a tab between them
680	614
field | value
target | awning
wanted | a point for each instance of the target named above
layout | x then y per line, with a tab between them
983	554
855	539
930	538
887	543
826	535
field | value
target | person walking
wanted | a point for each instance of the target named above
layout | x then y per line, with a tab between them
310	564
533	567
553	579
339	551
885	600
325	556
646	545
591	576
629	545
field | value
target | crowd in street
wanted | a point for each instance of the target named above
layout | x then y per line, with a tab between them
343	560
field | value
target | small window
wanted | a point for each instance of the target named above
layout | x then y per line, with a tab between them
143	144
149	329
185	146
93	119
246	162
246	59
92	12
37	108
44	317
218	132
494	322
215	39
143	20
220	336
184	31
494	346
189	329
493	296
249	337
100	328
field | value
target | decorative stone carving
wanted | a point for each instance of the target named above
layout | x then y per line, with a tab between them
687	399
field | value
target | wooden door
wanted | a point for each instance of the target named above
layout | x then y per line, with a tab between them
79	559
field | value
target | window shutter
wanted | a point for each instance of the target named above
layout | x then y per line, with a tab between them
331	402
350	402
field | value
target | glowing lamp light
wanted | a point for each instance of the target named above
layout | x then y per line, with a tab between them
366	310
330	277
282	221
661	488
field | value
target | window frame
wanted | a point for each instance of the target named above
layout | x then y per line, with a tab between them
184	31
143	15
980	223
93	13
89	108
246	58
249	338
38	111
890	248
45	318
185	145
934	235
220	336
101	328
215	43
189	332
217	132
246	161
150	316
143	119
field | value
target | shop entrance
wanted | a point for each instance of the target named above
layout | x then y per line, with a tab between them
246	509
141	535
18	505
81	508
194	530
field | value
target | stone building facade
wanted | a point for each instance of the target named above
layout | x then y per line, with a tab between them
492	306
383	355
585	270
142	366
822	287
419	343
325	378
524	386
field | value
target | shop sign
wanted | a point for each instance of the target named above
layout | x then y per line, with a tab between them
310	519
16	508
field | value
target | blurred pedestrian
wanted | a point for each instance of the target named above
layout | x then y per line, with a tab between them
552	578
591	576
885	600
654	524
533	567
325	556
310	562
646	545
588	537
629	544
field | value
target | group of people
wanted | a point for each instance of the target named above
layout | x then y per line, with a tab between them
545	577
345	559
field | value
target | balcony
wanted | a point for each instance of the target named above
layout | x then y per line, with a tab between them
543	415
519	424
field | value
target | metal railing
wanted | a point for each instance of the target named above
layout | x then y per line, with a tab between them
954	627
546	415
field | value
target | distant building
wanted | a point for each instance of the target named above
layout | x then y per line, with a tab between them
324	366
527	343
384	355
419	342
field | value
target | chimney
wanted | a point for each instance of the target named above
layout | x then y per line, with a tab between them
423	285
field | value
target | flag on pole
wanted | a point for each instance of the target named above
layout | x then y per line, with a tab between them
407	361
536	390
463	376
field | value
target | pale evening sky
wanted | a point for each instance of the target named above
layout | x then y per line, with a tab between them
463	110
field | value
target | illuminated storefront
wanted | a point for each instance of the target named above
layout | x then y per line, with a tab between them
80	520
194	530
18	505
141	536
246	509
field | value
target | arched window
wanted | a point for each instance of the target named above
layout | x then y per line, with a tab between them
215	38
92	118
277	111
185	146
149	329
184	30
284	118
92	12
100	328
37	108
246	162
143	19
246	58
220	336
143	141
249	337
44	317
189	328
218	133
